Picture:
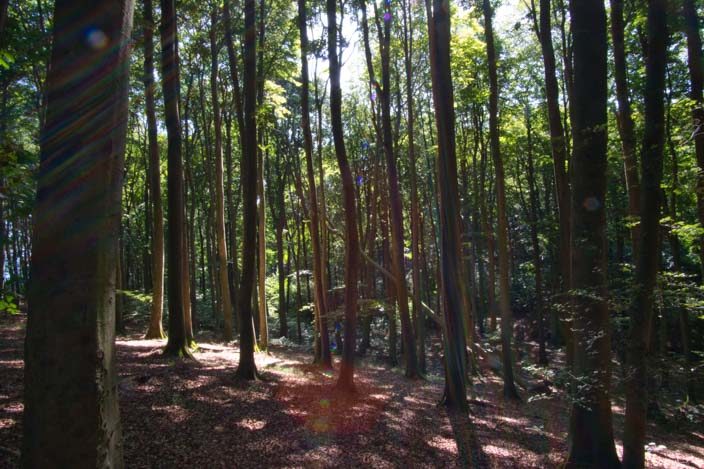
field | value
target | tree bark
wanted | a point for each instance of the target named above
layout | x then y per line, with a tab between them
395	206
223	277
247	368
502	217
452	282
346	378
71	416
535	243
156	328
418	312
591	441
641	308
177	344
624	117
318	272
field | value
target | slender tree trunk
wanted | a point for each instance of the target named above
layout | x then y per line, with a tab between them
649	256
502	217
247	368
71	416
315	222
225	296
559	151
395	207
156	329
346	378
696	75
233	270
591	440
537	263
624	117
418	312
177	344
452	282
261	248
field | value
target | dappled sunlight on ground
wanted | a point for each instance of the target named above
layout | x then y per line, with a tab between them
178	413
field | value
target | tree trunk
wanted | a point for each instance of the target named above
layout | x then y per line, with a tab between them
502	217
418	312
696	75
247	368
346	378
452	282
314	226
649	256
261	249
395	207
591	440
156	328
71	416
225	296
537	263
177	344
624	117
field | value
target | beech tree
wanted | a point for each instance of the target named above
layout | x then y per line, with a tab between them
71	412
178	343
156	328
247	368
591	440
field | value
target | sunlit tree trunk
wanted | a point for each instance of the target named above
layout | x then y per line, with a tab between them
71	416
225	296
156	330
352	255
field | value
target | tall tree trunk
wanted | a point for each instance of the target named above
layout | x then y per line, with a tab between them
346	378
318	271
395	205
223	277
177	344
537	263
233	269
418	312
71	416
624	117
559	151
247	368
502	217
452	281
156	328
696	75
641	308
591	440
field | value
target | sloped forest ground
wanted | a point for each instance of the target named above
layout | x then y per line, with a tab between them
195	414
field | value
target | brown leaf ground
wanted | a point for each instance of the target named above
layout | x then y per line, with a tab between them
196	415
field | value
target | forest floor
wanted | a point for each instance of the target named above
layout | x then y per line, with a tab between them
195	414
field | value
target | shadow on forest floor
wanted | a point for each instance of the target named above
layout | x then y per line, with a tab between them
195	414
